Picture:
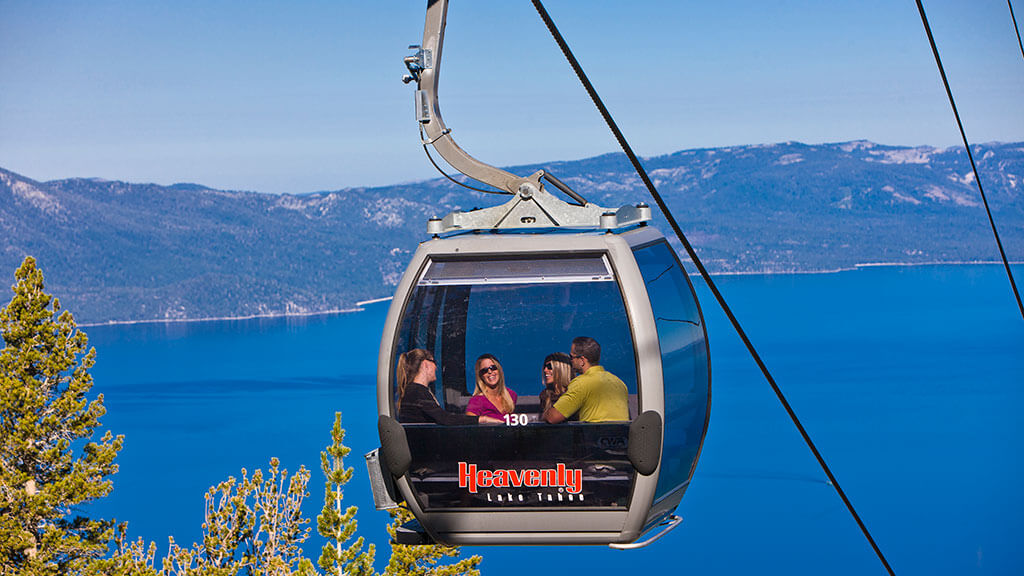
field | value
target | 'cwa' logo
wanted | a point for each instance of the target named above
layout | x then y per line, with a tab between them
557	477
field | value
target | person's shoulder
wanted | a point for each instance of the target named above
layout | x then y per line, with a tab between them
419	395
512	393
583	375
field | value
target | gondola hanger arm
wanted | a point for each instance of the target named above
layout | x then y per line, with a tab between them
531	206
424	68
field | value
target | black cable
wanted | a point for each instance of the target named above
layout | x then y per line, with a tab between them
445	174
703	272
1015	28
967	146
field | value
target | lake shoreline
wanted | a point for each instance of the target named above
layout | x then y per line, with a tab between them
359	305
268	316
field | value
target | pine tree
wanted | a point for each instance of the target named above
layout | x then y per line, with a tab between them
48	466
336	559
128	559
253	526
423	560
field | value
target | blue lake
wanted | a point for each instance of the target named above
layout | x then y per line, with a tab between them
909	379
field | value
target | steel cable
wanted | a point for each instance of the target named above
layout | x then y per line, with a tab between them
1015	28
446	175
700	267
967	146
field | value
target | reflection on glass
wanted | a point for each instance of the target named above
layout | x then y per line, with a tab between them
684	360
519	310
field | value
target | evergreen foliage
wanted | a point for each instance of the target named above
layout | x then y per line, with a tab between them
125	251
47	466
338	527
253	525
424	560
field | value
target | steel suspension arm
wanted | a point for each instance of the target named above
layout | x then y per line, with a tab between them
424	67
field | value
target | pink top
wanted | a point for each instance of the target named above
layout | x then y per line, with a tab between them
481	406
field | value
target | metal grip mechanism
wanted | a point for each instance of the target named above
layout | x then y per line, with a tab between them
417	63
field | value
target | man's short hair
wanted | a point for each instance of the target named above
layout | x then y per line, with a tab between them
588	348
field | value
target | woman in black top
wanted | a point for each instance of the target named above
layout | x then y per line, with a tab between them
416	403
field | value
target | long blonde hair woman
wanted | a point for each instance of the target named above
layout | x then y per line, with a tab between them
491	397
556	372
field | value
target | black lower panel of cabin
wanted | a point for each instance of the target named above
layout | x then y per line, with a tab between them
571	465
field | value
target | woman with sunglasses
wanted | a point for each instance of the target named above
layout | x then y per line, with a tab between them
416	402
491	399
555	375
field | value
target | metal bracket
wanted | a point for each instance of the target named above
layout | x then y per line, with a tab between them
417	63
423	111
534	207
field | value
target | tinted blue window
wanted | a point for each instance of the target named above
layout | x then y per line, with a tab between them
684	357
519	310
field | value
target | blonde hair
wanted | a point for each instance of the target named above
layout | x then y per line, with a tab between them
507	406
561	369
408	366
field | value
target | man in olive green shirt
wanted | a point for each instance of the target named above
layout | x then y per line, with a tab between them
597	395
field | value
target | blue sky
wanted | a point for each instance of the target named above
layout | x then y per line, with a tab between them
306	96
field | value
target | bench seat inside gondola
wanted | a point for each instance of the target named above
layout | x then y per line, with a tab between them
574	464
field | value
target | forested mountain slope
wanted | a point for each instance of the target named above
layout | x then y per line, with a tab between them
117	251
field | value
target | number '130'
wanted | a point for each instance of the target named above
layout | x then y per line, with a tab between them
516	419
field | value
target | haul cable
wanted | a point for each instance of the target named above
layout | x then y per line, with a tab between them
967	146
700	267
445	174
1015	28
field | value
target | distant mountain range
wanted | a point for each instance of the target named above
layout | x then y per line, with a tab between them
117	251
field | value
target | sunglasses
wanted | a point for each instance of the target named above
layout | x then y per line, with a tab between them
548	366
491	368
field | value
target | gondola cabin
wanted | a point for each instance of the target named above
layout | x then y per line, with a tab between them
521	297
492	303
